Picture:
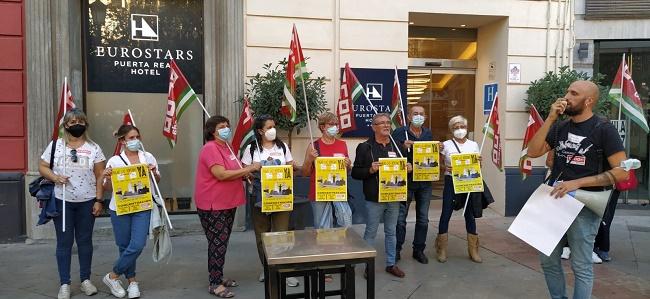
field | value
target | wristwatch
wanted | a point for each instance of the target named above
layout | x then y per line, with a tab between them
101	201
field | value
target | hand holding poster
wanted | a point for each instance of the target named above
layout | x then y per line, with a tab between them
131	189
466	173
426	161
277	188
392	179
331	179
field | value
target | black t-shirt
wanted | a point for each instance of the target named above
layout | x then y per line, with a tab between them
595	139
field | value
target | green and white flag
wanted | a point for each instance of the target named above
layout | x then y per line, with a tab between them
624	93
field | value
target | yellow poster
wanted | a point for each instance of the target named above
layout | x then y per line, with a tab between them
277	188
131	189
392	179
331	179
426	161
466	173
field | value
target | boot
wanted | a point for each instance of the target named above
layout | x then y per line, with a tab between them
441	247
472	248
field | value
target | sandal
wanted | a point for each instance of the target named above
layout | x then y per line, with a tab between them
229	283
224	293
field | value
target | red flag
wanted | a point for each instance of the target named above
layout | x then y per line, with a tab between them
351	90
244	130
296	67
179	97
125	121
535	122
493	132
396	116
66	96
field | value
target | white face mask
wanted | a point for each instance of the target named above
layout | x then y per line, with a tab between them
418	120
460	133
270	134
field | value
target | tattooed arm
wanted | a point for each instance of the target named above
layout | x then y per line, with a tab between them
607	178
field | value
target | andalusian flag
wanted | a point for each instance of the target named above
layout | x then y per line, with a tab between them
493	133
244	133
66	103
623	88
397	115
180	96
296	67
535	122
351	90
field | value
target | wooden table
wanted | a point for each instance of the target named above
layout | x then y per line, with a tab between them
311	253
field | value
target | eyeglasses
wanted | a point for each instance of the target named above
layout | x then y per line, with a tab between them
74	157
383	123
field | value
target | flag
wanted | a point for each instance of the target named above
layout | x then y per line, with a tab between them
493	133
535	122
396	116
631	104
244	133
66	97
125	121
351	90
296	67
179	97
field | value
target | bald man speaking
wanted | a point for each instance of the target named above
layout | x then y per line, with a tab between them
587	151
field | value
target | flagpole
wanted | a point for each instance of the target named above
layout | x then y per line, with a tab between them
203	107
401	103
620	100
483	141
64	101
155	184
304	91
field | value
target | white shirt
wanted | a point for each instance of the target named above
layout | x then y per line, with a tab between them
268	156
115	161
82	183
468	146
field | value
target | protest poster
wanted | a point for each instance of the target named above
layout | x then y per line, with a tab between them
392	179
131	189
466	173
426	161
331	179
277	188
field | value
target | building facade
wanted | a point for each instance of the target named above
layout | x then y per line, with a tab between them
448	51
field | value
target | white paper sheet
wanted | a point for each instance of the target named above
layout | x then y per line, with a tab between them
544	219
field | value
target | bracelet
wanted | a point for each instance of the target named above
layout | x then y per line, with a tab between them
98	200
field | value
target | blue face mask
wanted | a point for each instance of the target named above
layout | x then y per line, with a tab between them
333	131
133	145
418	120
224	133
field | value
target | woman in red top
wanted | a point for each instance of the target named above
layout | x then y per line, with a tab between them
218	191
327	146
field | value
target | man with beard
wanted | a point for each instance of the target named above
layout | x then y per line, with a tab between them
587	152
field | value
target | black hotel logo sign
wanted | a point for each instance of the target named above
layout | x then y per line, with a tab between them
128	45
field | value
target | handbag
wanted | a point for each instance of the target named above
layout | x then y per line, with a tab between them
35	190
630	184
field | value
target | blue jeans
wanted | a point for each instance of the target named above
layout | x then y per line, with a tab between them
421	193
581	236
322	211
448	209
79	224
130	232
389	211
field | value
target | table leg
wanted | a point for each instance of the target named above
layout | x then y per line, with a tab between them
267	290
273	282
347	282
321	284
370	283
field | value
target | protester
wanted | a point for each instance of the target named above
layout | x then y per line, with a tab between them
327	146
581	146
459	143
268	150
78	165
366	168
218	191
130	230
420	192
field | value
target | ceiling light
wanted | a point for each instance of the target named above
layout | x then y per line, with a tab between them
463	25
414	93
413	102
411	23
453	29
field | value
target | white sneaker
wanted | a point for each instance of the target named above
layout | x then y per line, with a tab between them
596	259
115	285
292	282
64	292
133	290
566	253
88	288
261	277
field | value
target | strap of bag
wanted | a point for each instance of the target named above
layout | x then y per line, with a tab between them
52	153
125	163
456	145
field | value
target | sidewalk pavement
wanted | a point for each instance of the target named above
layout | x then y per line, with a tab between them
510	268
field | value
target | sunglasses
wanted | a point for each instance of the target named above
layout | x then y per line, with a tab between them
74	156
